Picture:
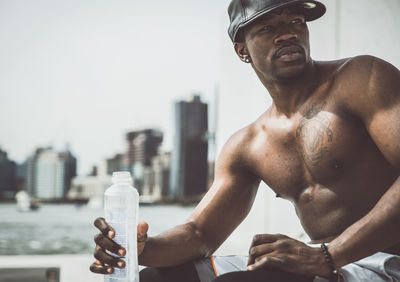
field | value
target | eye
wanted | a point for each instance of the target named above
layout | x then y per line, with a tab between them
267	28
297	21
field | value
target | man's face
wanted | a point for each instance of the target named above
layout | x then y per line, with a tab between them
278	45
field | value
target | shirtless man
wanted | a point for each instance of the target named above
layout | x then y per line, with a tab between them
329	143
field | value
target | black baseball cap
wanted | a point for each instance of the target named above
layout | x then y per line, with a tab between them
244	12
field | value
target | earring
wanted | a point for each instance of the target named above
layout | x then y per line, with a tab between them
247	60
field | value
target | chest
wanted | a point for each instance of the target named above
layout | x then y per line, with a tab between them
315	147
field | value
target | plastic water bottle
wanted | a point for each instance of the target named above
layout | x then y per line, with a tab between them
121	206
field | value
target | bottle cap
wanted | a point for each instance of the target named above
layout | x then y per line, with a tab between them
121	177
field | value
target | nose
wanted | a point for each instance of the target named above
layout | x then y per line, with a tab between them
285	37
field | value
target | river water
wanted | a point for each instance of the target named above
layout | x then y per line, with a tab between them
68	229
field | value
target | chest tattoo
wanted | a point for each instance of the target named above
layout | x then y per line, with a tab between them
314	134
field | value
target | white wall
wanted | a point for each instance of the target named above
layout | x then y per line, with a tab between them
369	27
349	28
357	27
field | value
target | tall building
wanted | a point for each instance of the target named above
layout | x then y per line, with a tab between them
49	174
143	145
189	166
8	176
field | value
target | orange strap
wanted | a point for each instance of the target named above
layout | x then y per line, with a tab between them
213	265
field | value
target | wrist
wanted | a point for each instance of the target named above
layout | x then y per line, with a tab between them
330	269
322	269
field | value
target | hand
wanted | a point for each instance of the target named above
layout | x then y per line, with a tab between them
286	254
105	262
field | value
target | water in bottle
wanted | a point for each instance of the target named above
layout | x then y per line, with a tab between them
121	205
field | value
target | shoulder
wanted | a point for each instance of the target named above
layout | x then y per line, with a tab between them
359	68
235	154
366	84
237	145
368	72
358	65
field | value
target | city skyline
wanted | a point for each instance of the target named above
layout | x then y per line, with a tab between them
100	160
84	73
180	175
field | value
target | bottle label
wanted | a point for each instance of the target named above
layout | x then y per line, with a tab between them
119	222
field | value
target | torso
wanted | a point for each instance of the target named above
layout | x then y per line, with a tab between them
322	159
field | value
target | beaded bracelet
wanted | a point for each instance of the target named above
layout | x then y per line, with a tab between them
329	262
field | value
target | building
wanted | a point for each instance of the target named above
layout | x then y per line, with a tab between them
156	179
161	166
143	145
189	168
49	173
89	187
30	174
69	163
8	176
115	163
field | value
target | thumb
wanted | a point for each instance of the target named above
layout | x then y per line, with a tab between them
142	229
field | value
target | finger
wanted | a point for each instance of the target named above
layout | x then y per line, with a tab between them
266	238
250	260
260	250
256	252
265	262
104	227
259	239
98	267
105	258
142	229
107	244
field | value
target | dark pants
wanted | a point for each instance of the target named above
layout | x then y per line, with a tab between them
187	273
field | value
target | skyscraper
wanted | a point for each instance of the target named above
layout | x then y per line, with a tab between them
189	157
49	173
143	145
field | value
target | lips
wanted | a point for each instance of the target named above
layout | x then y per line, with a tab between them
289	53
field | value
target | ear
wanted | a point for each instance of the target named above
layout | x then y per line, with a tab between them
242	52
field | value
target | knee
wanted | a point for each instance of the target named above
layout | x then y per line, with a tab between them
149	274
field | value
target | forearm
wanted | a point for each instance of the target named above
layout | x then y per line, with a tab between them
175	246
377	231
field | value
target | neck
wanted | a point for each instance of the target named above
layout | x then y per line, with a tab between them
289	95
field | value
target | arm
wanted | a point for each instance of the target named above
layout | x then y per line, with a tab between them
224	206
222	209
379	108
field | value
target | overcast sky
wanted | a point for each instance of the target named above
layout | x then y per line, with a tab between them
84	72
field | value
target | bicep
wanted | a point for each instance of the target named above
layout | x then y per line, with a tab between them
379	107
384	128
228	201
